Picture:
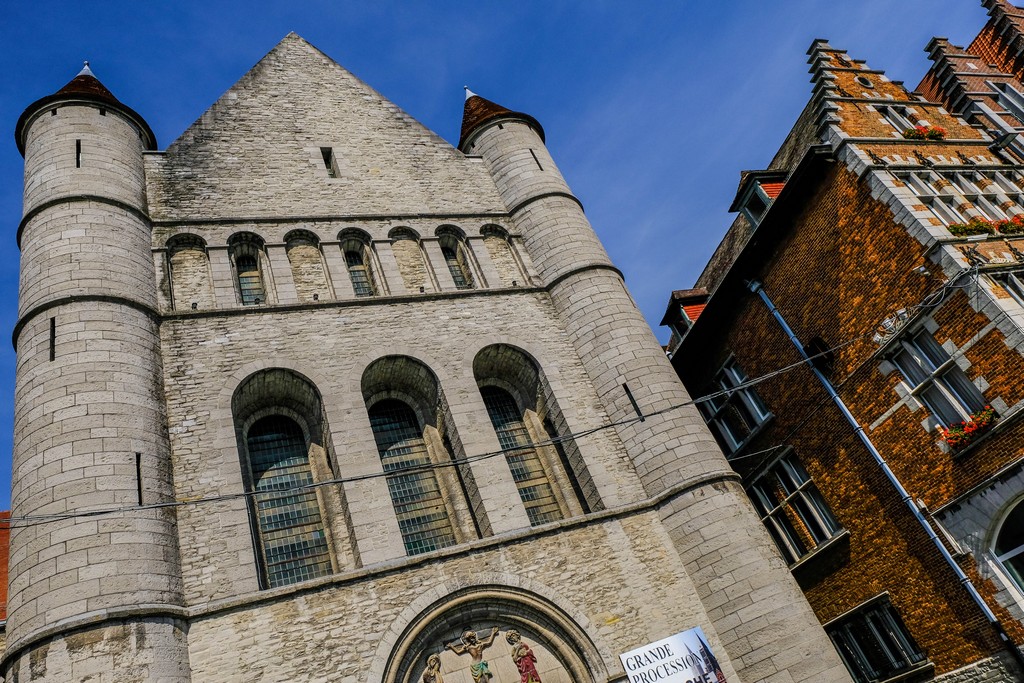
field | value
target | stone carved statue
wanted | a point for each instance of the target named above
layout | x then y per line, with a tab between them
523	657
472	644
432	674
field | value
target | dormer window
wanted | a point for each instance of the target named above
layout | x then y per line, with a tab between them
758	189
684	307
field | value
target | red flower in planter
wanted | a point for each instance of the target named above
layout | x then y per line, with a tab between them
959	435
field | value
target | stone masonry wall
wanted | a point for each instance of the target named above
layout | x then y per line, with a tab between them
636	593
206	357
256	151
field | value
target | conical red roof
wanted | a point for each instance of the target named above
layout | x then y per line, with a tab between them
84	86
86	83
479	111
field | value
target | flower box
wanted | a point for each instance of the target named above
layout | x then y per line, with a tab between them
983	226
959	435
925	133
976	226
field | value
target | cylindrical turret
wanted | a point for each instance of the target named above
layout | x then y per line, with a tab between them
90	426
707	513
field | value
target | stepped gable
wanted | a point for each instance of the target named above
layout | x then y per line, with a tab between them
959	79
258	152
1001	41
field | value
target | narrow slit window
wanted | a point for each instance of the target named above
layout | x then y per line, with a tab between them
53	338
329	161
78	154
536	160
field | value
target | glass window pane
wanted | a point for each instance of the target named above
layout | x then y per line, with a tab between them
910	367
419	504
528	472
940	406
291	531
963	389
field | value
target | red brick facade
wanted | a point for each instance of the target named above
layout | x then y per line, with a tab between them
865	231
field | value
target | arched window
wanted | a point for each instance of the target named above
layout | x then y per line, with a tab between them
358	272
420	506
1009	545
525	463
250	282
456	257
291	532
246	249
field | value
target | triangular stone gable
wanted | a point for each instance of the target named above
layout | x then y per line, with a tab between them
256	153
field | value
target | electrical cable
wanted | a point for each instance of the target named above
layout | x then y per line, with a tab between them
931	300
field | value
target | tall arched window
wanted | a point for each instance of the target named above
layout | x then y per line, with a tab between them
525	463
456	256
416	495
291	532
362	284
1009	545
250	282
245	249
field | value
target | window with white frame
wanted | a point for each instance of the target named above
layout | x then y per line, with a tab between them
874	643
897	117
1010	99
936	379
987	192
792	508
1013	283
733	411
1009	545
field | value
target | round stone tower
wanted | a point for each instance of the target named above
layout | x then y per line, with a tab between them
723	544
90	427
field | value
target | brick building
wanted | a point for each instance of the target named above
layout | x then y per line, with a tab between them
861	354
312	395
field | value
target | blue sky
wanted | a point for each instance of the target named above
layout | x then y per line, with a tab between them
651	108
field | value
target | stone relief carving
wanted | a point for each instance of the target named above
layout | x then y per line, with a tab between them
524	658
519	662
475	647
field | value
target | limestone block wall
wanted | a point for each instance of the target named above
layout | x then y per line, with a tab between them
194	259
350	629
260	162
207	355
130	651
108	148
90	425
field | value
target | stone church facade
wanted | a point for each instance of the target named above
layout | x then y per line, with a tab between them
312	395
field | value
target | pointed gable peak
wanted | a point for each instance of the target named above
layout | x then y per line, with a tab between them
479	111
86	83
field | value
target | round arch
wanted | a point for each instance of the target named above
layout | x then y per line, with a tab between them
441	616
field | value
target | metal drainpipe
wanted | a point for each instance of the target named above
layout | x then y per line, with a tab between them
965	581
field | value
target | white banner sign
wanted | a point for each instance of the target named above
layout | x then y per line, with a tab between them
683	658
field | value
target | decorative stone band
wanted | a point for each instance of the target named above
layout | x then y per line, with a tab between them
654	503
91	620
545	195
64	300
36	210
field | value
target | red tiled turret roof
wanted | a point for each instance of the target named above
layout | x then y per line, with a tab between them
84	86
479	111
86	83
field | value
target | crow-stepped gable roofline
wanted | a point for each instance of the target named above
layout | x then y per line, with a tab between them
84	87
